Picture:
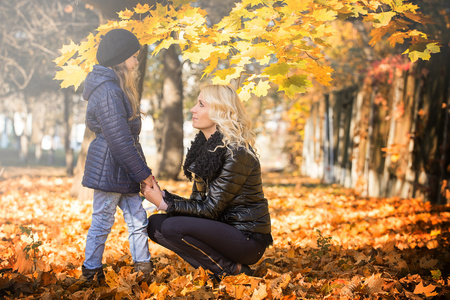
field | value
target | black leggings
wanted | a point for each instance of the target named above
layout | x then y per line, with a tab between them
214	245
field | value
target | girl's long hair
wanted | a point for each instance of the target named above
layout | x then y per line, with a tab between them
228	113
128	83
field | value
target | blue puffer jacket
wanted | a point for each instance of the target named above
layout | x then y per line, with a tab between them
115	161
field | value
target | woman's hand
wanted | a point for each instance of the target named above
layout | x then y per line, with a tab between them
152	193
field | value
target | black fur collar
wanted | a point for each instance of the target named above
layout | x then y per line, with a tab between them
201	159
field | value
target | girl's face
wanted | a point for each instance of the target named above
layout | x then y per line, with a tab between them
200	117
132	62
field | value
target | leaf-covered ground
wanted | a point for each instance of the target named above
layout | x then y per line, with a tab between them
328	243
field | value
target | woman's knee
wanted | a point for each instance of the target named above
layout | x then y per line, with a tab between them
154	225
172	227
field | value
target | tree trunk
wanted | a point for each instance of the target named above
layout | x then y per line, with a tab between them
68	130
328	147
169	127
444	189
21	130
368	150
77	190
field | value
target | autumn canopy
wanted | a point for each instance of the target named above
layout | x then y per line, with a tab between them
285	39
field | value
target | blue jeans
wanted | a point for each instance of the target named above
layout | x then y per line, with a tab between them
135	216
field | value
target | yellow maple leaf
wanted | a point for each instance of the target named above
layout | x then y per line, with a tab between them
416	51
405	7
397	38
261	88
211	65
244	91
255	27
251	2
323	30
378	33
265	60
244	95
382	18
279	68
141	9
359	10
257	51
178	3
321	73
295	84
266	13
161	10
72	74
229	73
202	51
67	52
298	5
193	21
165	44
125	14
231	23
322	15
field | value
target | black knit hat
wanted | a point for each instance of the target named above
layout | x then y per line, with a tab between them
117	46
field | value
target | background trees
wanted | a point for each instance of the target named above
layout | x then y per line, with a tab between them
272	49
386	133
31	34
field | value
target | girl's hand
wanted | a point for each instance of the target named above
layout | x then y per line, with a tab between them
152	193
147	181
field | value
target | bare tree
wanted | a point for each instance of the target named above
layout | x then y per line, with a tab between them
31	32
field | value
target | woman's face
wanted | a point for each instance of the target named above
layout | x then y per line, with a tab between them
200	117
132	62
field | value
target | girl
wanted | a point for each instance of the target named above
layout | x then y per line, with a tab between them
224	226
115	164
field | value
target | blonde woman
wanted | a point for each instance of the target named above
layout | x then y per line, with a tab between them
224	226
115	164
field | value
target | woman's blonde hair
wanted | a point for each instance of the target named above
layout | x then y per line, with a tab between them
128	83
227	111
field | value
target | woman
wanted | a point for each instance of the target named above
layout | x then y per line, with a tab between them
115	164
224	226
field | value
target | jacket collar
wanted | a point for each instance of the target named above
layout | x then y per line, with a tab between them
205	157
96	77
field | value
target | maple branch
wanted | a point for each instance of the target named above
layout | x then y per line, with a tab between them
310	56
12	62
44	49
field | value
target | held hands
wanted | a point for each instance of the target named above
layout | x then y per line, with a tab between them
148	181
152	192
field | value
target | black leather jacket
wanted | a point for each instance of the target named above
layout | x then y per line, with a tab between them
227	187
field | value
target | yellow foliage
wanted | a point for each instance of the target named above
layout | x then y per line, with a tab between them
288	36
126	14
141	9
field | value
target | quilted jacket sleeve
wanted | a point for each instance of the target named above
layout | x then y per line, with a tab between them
112	117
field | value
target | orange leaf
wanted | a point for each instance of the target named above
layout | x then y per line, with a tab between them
260	293
427	290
